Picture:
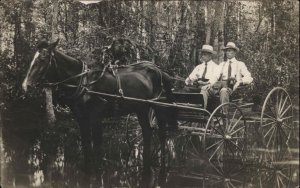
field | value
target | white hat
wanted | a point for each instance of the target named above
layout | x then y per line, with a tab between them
208	48
231	45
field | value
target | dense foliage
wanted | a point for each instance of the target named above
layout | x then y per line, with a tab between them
170	33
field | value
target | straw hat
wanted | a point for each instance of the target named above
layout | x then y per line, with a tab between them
208	48
230	45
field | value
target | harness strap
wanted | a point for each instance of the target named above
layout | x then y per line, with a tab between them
70	78
114	69
83	79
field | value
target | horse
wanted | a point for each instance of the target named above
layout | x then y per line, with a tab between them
73	78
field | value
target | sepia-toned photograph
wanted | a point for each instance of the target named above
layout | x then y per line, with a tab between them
149	93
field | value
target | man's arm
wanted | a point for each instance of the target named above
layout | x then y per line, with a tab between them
246	75
193	76
216	75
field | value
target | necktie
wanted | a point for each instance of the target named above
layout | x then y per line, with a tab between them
229	70
204	72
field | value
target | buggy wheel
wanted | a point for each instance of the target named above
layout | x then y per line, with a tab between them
273	176
224	182
224	139
277	122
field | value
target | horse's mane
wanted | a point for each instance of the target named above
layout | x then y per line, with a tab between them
69	58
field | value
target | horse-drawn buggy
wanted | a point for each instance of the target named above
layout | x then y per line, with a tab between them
245	147
225	145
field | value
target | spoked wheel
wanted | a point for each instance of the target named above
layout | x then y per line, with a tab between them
224	139
224	182
277	122
274	176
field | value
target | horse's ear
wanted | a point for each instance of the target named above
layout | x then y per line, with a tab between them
53	45
42	44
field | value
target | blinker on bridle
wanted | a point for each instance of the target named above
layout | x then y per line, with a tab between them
49	64
52	60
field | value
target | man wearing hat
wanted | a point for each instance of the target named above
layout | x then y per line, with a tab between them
233	72
205	74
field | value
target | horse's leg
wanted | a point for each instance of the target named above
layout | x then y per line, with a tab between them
95	109
162	138
97	141
85	133
97	136
147	180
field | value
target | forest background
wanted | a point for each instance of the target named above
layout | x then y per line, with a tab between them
169	33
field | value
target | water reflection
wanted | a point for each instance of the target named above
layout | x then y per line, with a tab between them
34	155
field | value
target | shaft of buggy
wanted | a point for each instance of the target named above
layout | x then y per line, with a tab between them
150	101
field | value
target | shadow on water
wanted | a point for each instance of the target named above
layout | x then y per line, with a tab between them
37	156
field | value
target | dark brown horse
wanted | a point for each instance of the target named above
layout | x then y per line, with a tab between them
72	79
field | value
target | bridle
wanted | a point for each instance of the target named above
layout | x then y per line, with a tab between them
79	88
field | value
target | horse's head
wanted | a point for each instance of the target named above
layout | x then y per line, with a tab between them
40	64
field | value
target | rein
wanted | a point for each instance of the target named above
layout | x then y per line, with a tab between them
178	78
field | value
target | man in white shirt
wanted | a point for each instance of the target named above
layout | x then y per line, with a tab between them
232	72
205	74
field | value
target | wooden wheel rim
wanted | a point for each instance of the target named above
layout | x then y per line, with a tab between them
276	122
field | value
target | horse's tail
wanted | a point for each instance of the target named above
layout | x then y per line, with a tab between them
167	87
170	113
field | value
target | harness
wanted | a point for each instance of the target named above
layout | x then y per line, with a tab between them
114	69
83	83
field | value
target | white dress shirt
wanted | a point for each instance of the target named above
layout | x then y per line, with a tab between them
238	70
212	72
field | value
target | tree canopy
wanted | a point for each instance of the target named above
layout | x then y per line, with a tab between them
167	32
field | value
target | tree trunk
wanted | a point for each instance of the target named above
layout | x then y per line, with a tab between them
49	107
176	49
199	39
48	92
238	20
49	159
208	22
54	20
17	35
2	154
152	24
219	30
